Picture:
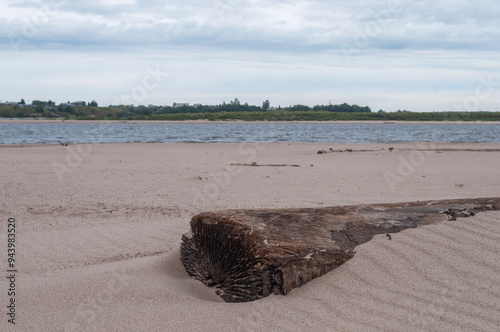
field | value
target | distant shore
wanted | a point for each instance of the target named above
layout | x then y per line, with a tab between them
246	122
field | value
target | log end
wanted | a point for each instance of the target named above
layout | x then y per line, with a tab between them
249	254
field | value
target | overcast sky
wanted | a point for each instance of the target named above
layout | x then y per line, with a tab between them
417	55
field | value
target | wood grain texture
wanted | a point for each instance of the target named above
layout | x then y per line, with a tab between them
249	254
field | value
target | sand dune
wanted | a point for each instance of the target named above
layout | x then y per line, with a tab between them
98	243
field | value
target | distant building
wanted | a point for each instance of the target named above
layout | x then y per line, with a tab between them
177	105
74	103
77	103
197	105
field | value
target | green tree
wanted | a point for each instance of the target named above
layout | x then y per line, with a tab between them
93	103
266	105
22	102
38	103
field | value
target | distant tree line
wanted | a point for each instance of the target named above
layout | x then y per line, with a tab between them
236	106
283	115
47	109
233	110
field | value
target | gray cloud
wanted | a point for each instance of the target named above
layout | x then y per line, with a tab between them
306	26
430	54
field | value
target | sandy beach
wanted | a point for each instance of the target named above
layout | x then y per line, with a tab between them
98	230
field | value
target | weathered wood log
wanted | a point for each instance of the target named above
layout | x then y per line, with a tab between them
249	254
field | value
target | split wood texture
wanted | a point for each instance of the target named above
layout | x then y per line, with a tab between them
249	254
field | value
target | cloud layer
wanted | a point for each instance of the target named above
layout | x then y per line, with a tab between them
255	24
326	49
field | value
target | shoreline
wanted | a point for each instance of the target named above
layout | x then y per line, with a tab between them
246	122
377	146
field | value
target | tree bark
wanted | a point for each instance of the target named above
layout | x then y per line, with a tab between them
249	254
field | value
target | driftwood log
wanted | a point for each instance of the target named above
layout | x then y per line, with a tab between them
249	254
